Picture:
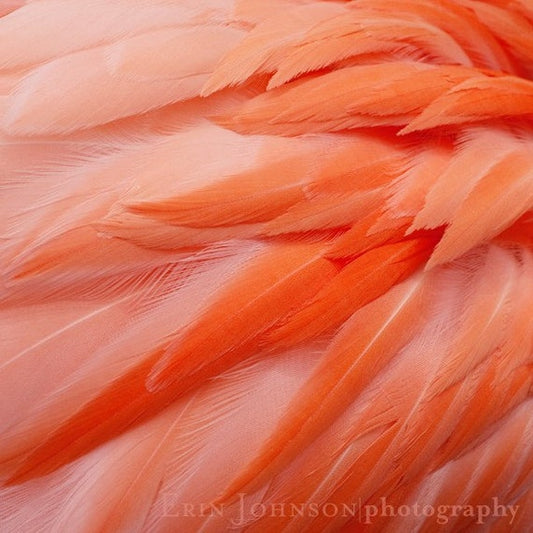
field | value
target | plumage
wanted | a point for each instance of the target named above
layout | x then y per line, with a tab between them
266	265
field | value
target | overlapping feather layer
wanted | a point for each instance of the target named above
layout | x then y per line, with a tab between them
265	253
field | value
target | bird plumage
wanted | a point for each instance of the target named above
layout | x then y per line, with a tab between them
266	265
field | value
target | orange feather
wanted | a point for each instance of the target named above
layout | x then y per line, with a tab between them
266	265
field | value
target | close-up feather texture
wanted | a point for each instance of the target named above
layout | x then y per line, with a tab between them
266	266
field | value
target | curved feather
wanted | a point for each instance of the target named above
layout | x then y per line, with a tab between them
404	90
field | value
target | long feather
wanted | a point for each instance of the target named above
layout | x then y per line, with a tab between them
404	90
338	373
124	81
